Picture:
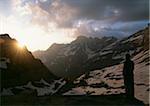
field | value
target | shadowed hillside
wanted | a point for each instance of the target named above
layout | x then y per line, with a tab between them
18	66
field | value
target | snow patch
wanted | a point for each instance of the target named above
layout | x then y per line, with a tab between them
76	91
105	52
133	38
6	92
3	62
69	51
47	90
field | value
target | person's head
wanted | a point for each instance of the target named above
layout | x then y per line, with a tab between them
128	56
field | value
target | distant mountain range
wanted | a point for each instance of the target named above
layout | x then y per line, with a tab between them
87	54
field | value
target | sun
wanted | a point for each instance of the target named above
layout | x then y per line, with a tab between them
20	45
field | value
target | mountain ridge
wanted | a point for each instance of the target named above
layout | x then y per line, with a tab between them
82	47
18	65
86	54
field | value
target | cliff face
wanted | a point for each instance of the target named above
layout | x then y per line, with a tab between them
146	38
69	60
18	66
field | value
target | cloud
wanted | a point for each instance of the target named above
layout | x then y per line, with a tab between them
101	28
46	11
65	13
64	20
97	9
98	13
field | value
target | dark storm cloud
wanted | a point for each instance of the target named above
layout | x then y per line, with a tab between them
128	10
120	17
111	10
96	17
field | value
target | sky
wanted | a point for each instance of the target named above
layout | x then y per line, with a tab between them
40	23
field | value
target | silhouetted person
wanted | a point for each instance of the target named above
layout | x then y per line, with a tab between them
128	77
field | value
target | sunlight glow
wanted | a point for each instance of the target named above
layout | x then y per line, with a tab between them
20	45
33	36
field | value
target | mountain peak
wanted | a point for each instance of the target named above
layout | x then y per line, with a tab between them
81	37
5	36
20	62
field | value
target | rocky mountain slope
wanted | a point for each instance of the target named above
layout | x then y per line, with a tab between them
18	66
26	81
69	59
109	80
87	54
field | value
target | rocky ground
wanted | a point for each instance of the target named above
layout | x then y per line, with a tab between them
28	99
99	87
109	81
